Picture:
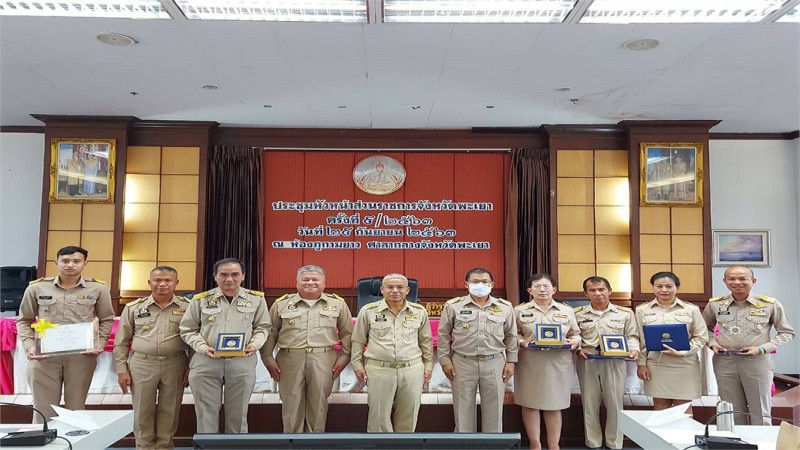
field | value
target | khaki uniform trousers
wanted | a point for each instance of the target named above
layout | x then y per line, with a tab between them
156	393
472	375
602	381
393	389
746	382
306	383
206	378
46	377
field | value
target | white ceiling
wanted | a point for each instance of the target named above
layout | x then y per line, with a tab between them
432	76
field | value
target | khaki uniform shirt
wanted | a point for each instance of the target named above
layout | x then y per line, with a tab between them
149	329
477	330
391	337
529	314
613	320
747	323
295	324
679	312
45	299
210	313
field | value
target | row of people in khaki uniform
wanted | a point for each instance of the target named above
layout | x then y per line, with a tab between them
481	338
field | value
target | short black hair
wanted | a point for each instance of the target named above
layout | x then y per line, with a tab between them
476	271
540	276
596	279
70	249
669	275
228	261
164	269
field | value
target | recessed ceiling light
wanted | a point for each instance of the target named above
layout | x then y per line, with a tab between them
641	44
210	87
116	39
489	106
267	106
563	89
342	106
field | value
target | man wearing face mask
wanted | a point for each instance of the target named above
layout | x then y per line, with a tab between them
483	352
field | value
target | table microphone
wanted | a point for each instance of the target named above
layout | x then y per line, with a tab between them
34	438
720	442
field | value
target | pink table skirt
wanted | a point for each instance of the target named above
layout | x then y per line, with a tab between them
8	341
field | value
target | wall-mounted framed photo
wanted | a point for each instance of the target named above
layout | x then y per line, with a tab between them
741	248
82	170
672	174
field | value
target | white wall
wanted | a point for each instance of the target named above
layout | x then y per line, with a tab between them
756	185
21	160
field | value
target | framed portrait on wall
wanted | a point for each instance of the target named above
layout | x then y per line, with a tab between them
82	170
671	174
741	247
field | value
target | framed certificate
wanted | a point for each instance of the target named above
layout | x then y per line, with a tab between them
67	338
548	336
614	345
229	344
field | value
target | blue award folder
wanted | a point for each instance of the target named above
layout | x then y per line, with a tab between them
673	334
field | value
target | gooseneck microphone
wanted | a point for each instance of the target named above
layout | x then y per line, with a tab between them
720	442
35	438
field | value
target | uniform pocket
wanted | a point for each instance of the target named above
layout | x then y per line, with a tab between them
290	319
47	307
411	330
380	329
465	323
495	323
757	324
86	308
328	318
245	313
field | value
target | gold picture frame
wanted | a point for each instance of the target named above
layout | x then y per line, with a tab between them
82	170
230	344
548	335
614	345
671	174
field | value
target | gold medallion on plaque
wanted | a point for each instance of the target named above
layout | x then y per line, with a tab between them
379	175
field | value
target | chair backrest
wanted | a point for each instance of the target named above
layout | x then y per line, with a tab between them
13	282
369	290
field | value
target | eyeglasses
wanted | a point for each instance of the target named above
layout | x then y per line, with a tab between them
394	288
480	282
539	287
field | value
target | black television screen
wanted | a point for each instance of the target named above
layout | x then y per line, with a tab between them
460	441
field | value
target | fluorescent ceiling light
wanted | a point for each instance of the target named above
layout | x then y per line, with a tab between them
276	10
120	9
486	11
679	11
793	15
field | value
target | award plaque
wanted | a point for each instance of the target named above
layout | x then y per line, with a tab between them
548	336
614	345
229	345
65	338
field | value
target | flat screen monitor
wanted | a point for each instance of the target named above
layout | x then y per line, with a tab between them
453	441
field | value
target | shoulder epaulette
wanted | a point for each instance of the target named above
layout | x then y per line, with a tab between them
764	298
201	295
453	300
135	302
282	298
373	305
578	308
716	299
624	308
505	302
37	280
256	293
182	298
416	305
96	280
337	297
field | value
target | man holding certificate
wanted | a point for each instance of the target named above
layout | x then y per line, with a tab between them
225	326
73	317
601	377
742	364
157	369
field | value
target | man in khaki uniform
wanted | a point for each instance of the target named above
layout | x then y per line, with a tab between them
398	359
744	377
66	298
482	355
305	327
157	370
226	309
602	381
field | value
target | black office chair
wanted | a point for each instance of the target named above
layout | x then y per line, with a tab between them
13	282
369	290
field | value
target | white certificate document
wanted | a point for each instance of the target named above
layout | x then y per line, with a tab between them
68	338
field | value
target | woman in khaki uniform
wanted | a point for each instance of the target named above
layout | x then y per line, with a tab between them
544	377
671	377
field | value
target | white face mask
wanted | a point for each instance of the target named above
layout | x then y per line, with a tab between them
479	289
